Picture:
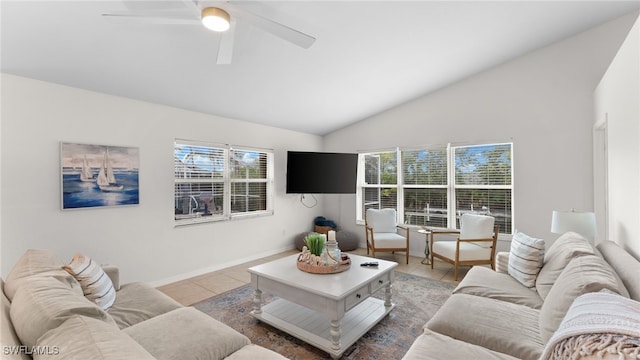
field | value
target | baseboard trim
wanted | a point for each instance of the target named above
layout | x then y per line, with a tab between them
218	267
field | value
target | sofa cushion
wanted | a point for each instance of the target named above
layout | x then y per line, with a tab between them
468	250
482	281
389	240
253	352
525	259
81	337
501	264
623	289
32	262
582	275
44	303
493	324
8	337
568	246
185	334
625	266
95	283
473	226
137	302
382	221
434	346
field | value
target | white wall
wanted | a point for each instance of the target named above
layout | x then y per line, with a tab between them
142	240
617	99
543	102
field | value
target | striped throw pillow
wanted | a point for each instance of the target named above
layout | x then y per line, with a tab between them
526	259
96	284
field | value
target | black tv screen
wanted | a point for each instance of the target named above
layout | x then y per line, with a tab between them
321	173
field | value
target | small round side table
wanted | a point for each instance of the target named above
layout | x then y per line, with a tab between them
427	252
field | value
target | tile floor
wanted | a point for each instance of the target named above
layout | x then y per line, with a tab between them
193	290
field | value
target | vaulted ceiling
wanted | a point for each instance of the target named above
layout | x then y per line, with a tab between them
368	55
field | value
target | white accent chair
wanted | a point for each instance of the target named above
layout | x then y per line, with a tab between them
381	232
476	244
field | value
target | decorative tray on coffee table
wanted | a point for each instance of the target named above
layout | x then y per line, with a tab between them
314	264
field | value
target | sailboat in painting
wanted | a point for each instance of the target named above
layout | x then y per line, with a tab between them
106	178
85	173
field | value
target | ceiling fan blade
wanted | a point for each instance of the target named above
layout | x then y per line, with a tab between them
118	17
193	7
225	50
292	35
151	5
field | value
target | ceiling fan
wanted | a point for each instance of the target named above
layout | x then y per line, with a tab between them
216	16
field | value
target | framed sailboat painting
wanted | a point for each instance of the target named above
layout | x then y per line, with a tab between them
98	175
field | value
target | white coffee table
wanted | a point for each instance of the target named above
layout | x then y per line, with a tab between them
328	311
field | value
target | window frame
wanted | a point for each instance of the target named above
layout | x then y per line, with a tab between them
450	186
445	186
360	200
226	180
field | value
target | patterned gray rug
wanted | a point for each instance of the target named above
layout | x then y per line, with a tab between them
416	298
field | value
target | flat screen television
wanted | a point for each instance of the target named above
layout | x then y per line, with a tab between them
321	173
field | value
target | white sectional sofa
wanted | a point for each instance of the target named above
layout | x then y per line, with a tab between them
45	315
490	315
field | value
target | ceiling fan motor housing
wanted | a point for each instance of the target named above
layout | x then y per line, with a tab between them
215	19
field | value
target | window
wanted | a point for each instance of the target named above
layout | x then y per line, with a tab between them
377	180
425	187
218	182
434	186
483	182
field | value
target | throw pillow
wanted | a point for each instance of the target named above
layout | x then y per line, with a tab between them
525	259
96	284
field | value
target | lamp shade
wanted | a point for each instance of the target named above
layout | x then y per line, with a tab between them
584	223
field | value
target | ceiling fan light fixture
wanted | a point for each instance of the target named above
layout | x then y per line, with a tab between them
215	19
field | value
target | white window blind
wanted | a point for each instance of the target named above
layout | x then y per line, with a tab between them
424	174
215	182
434	186
483	182
251	174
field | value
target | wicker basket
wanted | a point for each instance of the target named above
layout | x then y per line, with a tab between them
323	229
343	265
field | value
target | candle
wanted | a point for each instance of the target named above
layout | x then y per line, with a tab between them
332	235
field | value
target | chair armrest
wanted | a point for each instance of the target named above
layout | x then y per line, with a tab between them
502	262
113	272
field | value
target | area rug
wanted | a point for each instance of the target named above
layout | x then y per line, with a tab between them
416	298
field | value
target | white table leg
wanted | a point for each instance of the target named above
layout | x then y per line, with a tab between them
257	301
387	295
335	334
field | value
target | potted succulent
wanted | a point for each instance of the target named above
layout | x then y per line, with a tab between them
315	243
